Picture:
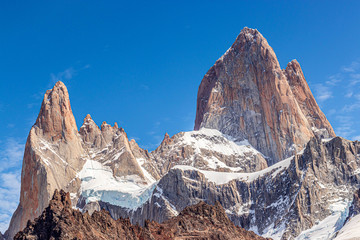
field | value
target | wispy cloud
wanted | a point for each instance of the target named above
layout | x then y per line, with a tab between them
334	79
11	154
354	79
9	197
323	92
351	107
345	126
67	74
352	67
349	94
344	90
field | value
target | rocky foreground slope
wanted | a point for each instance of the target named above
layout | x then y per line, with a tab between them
261	147
201	221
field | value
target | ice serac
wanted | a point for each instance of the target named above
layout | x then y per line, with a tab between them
248	96
51	159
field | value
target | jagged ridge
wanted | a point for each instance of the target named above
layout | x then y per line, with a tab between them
246	95
60	221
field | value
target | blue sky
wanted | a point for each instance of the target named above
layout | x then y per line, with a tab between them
139	63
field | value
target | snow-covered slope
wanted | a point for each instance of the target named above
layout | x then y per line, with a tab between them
327	228
208	149
305	196
351	230
225	177
98	183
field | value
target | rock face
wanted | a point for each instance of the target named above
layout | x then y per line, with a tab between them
207	149
306	101
248	96
52	157
57	156
296	197
60	221
355	205
250	115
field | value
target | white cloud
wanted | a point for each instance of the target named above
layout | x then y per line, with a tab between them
349	94
345	126
11	154
354	79
334	79
322	92
67	74
351	107
352	67
9	197
356	138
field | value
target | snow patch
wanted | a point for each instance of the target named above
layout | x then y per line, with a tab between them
225	177
213	140
327	228
99	183
351	230
325	140
148	177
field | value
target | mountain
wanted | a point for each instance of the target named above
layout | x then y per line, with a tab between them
207	149
248	96
261	147
52	157
84	163
60	221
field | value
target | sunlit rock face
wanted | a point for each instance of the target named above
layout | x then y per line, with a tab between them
52	157
92	164
261	147
247	95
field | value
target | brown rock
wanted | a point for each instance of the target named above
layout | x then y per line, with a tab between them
246	95
60	221
306	100
51	159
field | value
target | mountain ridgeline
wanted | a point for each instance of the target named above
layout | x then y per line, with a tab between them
261	148
246	95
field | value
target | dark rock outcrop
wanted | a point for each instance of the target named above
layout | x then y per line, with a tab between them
60	221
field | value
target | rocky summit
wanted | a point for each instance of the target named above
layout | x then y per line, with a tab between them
248	96
261	148
201	221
